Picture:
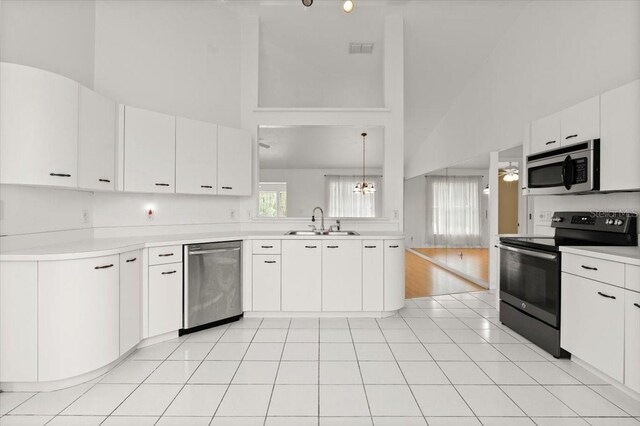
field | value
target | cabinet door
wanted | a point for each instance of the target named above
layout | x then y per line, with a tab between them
545	133
592	326
196	157
234	161
581	122
620	138
149	151
96	141
301	275
372	275
77	316
130	300
341	275
632	340
393	275
38	127
266	282
165	298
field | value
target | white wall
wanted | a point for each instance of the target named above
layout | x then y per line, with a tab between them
554	55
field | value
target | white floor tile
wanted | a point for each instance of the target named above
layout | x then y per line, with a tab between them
12	420
580	373
343	400
464	313
335	335
440	401
10	400
400	335
367	335
270	335
337	352
131	372
451	324
412	313
612	421
446	352
547	373
421	323
506	421
130	421
334	323
51	403
453	421
197	400
585	401
214	372
559	421
482	352
101	399
238	421
294	400
297	373
409	352
464	373
518	352
537	401
74	421
256	373
392	323
464	336
246	323
264	352
340	373
300	352
346	421
211	335
183	421
191	351
404	421
303	335
173	372
488	401
423	373
157	352
506	373
477	323
374	352
427	303
391	400
357	323
432	336
227	351
275	323
381	373
624	401
438	313
148	400
292	421
235	335
245	400
304	323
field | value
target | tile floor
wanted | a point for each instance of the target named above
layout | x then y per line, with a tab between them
445	360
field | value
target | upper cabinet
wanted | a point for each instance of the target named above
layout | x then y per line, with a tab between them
196	157
620	138
234	161
149	151
580	122
38	127
545	133
96	141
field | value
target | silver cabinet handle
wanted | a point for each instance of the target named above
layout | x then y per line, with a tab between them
590	268
165	254
606	295
169	272
131	260
104	266
60	174
214	251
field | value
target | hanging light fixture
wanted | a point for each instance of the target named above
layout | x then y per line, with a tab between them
486	190
348	6
364	187
511	174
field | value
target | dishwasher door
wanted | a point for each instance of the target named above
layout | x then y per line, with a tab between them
213	283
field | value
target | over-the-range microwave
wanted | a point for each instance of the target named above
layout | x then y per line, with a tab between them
570	169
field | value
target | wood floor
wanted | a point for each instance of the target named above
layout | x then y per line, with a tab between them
423	278
470	261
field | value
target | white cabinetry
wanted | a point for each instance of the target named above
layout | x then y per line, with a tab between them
19	322
77	316
372	275
38	127
545	133
301	275
149	151
165	298
234	161
341	275
580	122
96	141
266	282
196	157
130	293
632	340
620	138
592	326
393	274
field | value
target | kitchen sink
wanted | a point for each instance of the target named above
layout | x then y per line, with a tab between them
312	233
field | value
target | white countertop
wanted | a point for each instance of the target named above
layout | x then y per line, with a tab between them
630	255
109	246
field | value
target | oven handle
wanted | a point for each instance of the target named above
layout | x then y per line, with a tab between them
547	256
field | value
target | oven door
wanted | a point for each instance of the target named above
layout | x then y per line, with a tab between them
530	282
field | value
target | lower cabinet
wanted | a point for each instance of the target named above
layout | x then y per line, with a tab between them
373	275
592	326
266	282
632	340
130	300
341	275
165	298
301	275
393	274
77	316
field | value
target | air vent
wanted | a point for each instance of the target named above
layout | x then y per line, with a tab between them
360	48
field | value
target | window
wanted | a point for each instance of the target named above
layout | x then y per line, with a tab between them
272	199
343	202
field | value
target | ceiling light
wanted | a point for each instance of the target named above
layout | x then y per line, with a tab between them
486	190
307	3
348	6
364	187
511	174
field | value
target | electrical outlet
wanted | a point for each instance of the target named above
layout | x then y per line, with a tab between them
85	216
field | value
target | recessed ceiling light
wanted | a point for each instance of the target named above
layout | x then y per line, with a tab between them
347	6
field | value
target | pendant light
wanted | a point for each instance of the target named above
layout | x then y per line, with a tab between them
364	187
348	6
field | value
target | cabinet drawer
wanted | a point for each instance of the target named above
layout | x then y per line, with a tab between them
266	247
632	277
162	255
595	269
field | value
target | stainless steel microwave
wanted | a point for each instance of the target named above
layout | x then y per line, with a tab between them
571	169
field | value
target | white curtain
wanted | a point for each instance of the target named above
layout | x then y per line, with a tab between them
343	202
453	211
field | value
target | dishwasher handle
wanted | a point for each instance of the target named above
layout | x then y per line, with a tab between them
214	251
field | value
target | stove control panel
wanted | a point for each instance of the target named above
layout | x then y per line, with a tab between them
583	220
617	222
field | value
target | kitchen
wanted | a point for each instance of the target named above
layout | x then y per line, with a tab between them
326	336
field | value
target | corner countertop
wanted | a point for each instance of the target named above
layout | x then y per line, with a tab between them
96	247
630	255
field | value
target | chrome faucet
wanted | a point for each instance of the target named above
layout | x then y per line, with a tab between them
313	217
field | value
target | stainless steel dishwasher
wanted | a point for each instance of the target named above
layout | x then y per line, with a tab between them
212	291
